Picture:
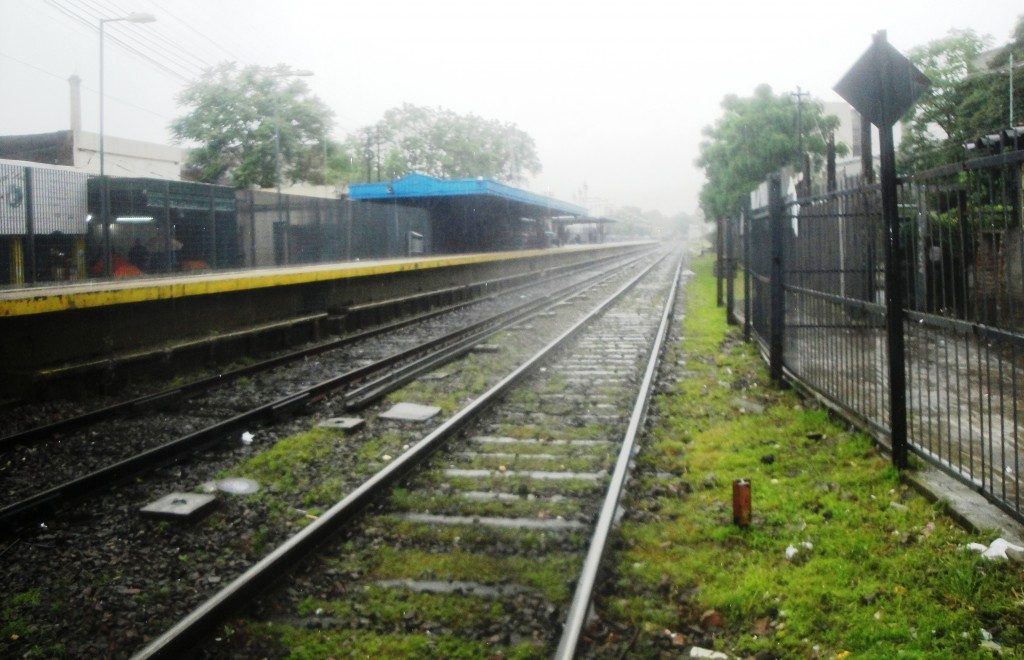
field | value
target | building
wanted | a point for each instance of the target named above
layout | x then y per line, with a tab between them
80	150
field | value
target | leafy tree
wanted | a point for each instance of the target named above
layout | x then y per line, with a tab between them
232	118
442	143
968	97
934	130
754	137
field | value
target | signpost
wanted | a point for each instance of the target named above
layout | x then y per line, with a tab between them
882	85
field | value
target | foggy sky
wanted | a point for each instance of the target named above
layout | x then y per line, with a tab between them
615	94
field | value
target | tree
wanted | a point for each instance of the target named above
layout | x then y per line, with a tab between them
441	143
968	96
232	119
934	130
754	137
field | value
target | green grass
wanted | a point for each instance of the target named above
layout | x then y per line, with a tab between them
453	504
315	644
473	536
880	581
385	563
390	607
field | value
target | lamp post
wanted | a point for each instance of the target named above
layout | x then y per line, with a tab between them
104	192
302	73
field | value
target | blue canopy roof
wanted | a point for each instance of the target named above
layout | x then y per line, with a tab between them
415	185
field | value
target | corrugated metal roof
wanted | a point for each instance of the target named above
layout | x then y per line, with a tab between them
414	186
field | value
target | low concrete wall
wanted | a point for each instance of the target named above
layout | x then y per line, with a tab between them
40	340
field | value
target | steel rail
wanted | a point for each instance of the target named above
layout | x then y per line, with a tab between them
147	401
181	637
577	615
105	477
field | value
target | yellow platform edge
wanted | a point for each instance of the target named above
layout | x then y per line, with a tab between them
25	302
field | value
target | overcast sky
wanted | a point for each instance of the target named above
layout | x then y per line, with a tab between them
615	93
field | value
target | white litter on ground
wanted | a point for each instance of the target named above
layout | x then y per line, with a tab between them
996	551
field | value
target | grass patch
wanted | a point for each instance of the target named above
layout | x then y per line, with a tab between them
563	463
301	644
284	468
453	504
524	485
594	431
885	574
470	537
390	607
547	577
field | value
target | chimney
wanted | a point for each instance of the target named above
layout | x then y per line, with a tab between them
76	104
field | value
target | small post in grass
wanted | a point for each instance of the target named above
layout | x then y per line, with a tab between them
741	502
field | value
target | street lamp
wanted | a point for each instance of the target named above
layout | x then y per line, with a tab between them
134	17
302	73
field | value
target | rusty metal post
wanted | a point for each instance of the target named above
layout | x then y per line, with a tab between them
741	507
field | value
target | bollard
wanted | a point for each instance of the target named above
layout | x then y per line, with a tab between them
741	502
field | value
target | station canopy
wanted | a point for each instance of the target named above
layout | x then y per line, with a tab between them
419	190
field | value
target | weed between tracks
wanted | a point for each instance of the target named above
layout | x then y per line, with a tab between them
885	574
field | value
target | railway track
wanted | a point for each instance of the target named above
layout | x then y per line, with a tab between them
485	535
100	580
380	369
20	419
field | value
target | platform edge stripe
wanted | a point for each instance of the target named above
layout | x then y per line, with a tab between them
235	282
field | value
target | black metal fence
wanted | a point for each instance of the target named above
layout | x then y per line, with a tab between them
813	291
52	227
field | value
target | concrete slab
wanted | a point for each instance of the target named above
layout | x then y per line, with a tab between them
232	486
486	348
180	506
541	475
410	412
539	524
346	424
965	505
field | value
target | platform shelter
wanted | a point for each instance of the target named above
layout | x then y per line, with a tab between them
474	215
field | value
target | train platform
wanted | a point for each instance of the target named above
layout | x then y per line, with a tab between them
100	293
58	327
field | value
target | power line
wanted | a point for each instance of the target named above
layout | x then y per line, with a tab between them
163	9
144	40
91	89
95	28
150	36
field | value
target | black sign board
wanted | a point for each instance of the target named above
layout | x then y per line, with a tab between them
882	84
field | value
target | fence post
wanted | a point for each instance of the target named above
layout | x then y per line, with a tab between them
893	302
168	231
746	268
730	271
30	229
719	249
214	262
777	319
108	247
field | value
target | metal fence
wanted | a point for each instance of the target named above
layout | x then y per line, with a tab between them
52	228
813	291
